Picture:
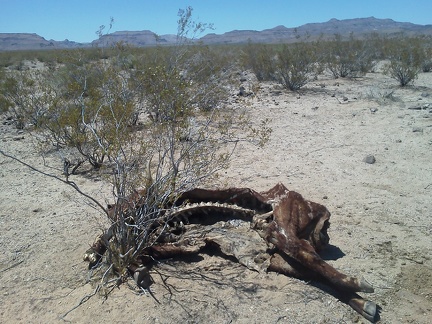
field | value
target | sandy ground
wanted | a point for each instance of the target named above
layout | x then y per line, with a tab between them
381	218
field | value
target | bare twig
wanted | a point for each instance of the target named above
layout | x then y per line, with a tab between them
82	301
327	147
12	266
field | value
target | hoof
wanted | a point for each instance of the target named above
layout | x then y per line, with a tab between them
366	286
92	257
365	308
369	310
142	277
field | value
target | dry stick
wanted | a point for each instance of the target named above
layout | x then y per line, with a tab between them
12	266
67	182
327	147
82	301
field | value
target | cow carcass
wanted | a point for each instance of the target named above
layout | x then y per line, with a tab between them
291	233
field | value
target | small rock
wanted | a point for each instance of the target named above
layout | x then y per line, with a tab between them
417	130
398	141
369	159
242	92
373	110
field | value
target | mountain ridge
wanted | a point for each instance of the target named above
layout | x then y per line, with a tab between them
279	34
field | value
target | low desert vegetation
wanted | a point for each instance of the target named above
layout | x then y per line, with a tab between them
294	65
160	117
407	57
157	119
348	58
261	60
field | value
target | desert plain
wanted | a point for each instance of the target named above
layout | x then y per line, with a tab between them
381	216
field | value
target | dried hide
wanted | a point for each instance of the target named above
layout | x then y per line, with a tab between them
277	230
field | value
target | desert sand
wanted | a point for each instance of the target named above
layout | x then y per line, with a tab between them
381	217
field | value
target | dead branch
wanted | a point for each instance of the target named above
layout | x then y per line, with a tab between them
82	301
12	266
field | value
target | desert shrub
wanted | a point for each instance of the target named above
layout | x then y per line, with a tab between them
296	65
375	45
5	104
261	59
209	74
198	79
5	59
426	65
347	58
26	96
87	106
181	142
405	57
13	59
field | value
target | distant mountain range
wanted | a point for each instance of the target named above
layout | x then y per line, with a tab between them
280	34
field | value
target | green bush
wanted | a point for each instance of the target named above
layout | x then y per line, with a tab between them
84	105
261	59
5	104
347	58
405	56
296	65
427	61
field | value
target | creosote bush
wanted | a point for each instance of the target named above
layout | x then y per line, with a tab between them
406	56
296	65
261	59
347	58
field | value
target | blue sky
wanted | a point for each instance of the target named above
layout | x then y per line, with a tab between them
78	20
